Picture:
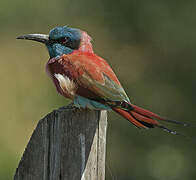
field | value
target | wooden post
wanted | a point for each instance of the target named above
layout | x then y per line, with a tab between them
68	144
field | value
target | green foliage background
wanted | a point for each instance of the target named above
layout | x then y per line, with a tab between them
150	45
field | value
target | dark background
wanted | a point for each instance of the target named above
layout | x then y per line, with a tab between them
151	47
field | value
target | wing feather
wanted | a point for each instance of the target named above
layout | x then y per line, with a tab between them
94	77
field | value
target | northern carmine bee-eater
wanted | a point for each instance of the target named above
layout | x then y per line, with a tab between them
87	79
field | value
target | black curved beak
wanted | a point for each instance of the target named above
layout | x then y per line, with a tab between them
43	38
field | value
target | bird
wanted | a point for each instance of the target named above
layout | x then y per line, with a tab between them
88	80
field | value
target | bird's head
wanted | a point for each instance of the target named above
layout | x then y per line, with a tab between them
62	40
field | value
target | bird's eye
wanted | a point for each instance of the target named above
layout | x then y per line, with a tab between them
64	41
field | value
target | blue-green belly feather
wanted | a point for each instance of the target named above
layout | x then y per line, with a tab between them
82	102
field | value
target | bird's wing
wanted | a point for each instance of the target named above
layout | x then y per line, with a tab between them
95	78
96	81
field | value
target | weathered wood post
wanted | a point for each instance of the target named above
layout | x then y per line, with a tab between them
68	144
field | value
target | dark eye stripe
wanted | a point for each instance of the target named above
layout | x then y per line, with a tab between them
60	41
66	41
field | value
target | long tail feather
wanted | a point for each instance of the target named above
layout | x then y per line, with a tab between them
127	115
150	114
143	118
173	132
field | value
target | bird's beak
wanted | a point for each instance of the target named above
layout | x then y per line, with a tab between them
43	38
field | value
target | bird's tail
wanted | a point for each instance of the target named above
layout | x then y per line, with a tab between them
142	118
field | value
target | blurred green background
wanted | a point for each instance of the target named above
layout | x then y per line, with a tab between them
151	47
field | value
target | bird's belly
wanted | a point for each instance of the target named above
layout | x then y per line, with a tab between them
82	102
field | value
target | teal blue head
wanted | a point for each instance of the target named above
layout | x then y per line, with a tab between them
61	40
